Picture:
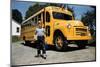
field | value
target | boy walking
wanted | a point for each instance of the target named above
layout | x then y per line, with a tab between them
40	32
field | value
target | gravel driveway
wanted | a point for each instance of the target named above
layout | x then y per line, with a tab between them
25	55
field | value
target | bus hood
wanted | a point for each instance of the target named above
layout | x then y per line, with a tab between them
75	23
71	22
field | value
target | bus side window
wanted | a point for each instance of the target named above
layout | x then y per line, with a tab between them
43	17
39	17
47	30
35	19
47	17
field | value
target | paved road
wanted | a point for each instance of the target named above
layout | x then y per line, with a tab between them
25	55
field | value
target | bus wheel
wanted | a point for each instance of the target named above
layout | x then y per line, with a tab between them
59	42
27	42
82	44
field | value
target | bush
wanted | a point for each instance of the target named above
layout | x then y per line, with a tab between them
15	38
93	41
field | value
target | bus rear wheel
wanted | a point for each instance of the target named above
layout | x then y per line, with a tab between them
59	42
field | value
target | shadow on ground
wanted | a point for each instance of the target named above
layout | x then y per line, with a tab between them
52	48
93	44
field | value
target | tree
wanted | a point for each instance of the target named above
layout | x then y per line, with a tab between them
34	8
54	4
71	9
89	19
16	15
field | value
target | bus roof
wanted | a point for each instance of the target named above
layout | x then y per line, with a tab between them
53	8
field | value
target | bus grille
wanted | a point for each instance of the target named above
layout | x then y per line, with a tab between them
81	31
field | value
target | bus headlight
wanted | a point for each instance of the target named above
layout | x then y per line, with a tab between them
89	34
68	26
88	28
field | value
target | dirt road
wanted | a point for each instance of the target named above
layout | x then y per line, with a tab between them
25	55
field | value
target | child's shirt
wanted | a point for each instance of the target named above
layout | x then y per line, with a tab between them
40	31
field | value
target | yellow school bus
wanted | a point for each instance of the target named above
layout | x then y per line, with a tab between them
60	26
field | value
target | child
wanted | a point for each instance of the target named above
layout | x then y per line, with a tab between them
40	32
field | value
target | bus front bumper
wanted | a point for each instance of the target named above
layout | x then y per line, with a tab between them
79	38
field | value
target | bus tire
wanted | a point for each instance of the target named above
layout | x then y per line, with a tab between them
59	45
27	42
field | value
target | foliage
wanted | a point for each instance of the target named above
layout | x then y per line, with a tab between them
16	15
89	19
15	38
34	8
72	10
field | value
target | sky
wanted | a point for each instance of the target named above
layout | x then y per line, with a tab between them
23	6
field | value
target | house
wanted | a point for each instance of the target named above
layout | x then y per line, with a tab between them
16	28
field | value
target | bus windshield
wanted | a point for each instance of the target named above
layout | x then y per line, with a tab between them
62	16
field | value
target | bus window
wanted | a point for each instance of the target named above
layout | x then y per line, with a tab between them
47	17
47	30
62	16
35	20
43	17
39	17
32	19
